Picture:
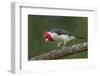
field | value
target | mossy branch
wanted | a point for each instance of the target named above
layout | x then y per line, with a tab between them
57	53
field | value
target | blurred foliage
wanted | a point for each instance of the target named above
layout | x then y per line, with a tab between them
38	24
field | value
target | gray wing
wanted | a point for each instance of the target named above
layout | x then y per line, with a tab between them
60	32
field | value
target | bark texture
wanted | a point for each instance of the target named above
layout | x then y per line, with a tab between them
57	53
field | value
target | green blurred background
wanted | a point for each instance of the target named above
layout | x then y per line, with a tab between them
38	24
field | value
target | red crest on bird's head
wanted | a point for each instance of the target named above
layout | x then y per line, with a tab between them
47	36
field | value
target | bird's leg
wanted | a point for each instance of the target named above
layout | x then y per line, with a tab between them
64	43
59	44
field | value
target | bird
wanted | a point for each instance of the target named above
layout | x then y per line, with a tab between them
58	35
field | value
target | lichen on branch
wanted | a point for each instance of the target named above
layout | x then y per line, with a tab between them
57	53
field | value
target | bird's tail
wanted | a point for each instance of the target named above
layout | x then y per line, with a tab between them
73	37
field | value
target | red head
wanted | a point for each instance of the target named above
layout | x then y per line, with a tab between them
47	36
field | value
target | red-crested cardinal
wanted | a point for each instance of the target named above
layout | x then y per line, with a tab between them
58	35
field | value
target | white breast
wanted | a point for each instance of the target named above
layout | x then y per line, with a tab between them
60	38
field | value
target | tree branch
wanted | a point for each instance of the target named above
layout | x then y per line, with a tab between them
57	53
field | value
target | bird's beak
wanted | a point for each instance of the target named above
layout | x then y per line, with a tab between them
46	40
